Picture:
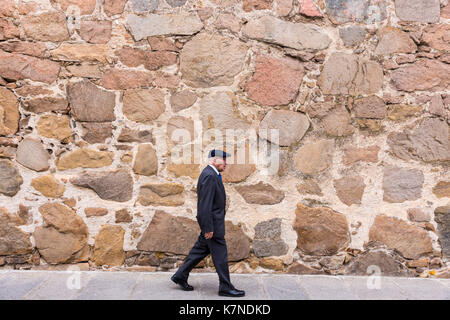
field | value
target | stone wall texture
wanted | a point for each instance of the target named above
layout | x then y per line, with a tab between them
93	91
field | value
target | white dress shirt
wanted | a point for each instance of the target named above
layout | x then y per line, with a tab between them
215	169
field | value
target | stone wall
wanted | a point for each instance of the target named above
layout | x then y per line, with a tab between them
92	91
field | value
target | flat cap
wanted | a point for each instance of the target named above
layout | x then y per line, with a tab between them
218	153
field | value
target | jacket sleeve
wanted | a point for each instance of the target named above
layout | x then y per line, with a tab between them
206	199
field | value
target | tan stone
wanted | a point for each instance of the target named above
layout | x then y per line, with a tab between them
250	5
143	105
123	215
12	239
442	189
163	194
180	126
418	215
275	81
354	154
55	126
63	239
400	112
108	249
48	186
9	112
320	230
238	243
350	189
85	70
146	160
260	193
313	158
411	241
32	91
159	43
47	26
210	60
228	21
84	158
184	170
135	135
95	212
168	233
271	263
81	52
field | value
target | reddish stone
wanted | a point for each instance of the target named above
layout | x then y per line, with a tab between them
309	8
250	5
437	36
113	7
8	30
424	74
96	31
18	66
85	6
275	81
7	8
36	49
162	44
118	79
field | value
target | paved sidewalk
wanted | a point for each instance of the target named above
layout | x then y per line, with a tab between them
157	285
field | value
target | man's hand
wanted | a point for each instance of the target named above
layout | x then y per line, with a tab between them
208	235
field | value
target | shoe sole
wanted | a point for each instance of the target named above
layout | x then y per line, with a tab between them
231	295
176	282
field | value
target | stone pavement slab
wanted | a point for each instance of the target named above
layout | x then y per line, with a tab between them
94	285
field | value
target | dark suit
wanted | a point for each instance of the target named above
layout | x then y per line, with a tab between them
211	218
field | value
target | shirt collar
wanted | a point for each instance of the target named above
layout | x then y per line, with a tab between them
215	169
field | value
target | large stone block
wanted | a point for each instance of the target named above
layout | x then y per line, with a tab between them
402	184
320	230
291	126
425	11
210	60
410	241
342	11
108	249
298	36
12	239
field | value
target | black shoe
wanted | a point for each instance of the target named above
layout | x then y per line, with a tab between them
232	293
182	283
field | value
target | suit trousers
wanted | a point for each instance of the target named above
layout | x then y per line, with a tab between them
218	249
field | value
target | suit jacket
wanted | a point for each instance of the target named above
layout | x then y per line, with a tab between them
211	200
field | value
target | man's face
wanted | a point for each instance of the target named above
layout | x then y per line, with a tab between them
220	164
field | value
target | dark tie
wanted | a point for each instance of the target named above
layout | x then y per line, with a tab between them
220	177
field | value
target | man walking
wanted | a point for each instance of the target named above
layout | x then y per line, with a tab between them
211	219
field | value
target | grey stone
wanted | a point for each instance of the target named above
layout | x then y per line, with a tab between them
114	185
176	3
442	218
10	178
161	25
428	141
342	11
353	35
141	6
402	184
298	36
388	264
425	11
292	126
267	240
31	154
